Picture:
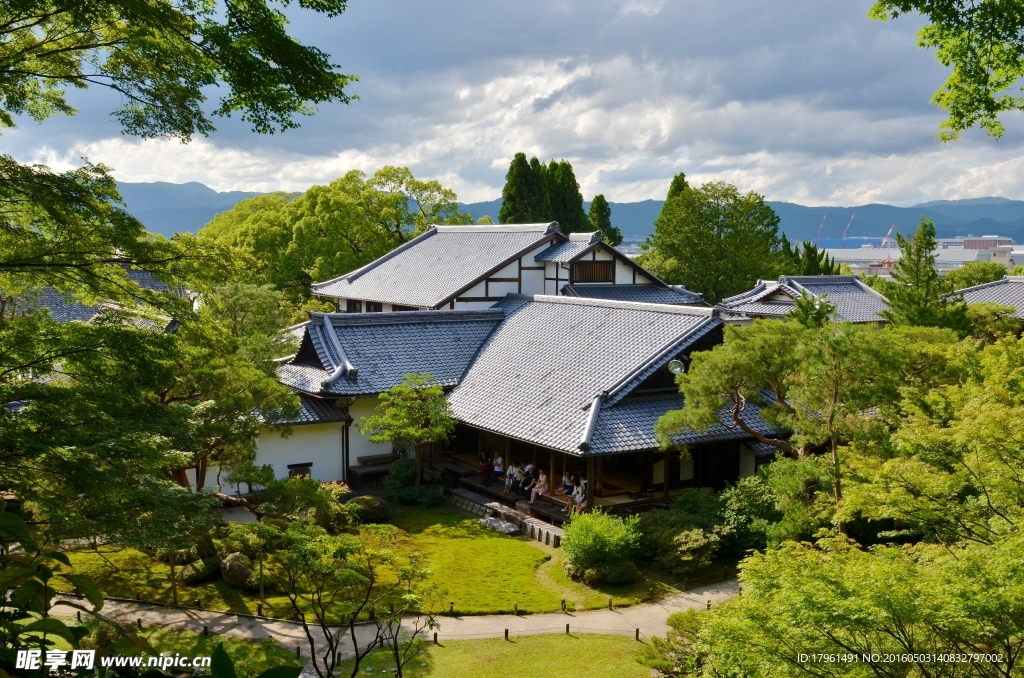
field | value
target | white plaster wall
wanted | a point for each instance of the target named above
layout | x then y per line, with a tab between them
359	444
549	287
529	259
601	255
510	271
316	443
623	274
467	305
475	291
500	289
533	282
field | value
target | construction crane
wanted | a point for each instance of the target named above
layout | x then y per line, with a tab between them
817	240
848	228
887	236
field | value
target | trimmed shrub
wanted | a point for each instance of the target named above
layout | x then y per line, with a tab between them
368	509
270	580
750	509
198	571
402	475
433	499
687	535
600	547
406	496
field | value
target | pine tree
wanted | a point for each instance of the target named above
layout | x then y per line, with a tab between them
919	296
601	219
524	198
806	259
565	198
677	186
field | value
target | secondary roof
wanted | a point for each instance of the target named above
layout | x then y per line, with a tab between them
854	300
434	267
1009	292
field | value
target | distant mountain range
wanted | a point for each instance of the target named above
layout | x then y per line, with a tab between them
172	208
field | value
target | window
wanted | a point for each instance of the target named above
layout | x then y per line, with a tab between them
374	307
353	306
593	272
303	470
397	307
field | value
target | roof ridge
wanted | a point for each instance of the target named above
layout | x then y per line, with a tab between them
544	227
410	317
624	305
1002	281
352	275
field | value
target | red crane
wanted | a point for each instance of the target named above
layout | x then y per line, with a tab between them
887	236
817	240
847	229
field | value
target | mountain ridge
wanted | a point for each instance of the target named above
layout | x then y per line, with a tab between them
169	208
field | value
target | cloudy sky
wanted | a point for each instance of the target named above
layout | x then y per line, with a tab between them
802	100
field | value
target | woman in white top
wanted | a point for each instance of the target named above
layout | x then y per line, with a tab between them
540	487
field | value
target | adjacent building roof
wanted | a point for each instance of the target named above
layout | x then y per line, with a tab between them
1009	292
542	374
314	411
353	354
64	309
854	300
437	265
675	295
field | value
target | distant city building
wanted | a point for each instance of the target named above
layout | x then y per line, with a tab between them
873	261
970	242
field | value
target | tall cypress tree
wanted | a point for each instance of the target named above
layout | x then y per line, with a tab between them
565	198
601	219
919	296
525	197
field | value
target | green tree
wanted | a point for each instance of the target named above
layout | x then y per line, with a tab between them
807	259
565	198
524	199
676	187
983	43
811	311
975	273
920	296
291	242
715	240
414	413
601	219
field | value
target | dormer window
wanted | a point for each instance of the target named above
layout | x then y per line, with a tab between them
593	272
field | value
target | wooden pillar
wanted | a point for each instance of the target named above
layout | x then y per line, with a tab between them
551	474
508	451
599	487
665	474
479	443
647	463
590	482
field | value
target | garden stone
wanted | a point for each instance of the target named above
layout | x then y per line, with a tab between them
235	569
499	525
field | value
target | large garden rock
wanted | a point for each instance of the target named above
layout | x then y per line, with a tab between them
498	525
198	571
236	569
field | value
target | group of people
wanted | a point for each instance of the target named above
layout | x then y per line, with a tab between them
528	481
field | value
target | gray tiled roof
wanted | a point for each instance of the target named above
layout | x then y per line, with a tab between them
854	300
629	426
564	252
644	294
64	309
1009	292
314	411
537	374
383	347
435	266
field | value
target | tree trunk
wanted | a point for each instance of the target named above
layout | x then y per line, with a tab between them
419	463
201	474
837	483
174	578
180	476
205	547
261	577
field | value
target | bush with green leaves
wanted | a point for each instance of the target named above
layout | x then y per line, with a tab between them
367	509
402	475
687	535
432	499
749	508
600	547
199	571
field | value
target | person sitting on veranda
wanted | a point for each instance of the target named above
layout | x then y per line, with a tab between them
497	468
566	488
529	478
485	464
540	486
517	478
510	474
578	496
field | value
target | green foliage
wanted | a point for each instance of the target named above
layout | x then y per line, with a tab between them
564	198
982	43
163	63
685	536
806	259
411	413
525	195
991	321
369	509
750	508
1017	271
715	240
920	296
601	218
402	475
199	571
680	652
676	187
975	273
599	548
291	242
433	499
811	311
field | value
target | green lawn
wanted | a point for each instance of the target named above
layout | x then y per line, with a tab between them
579	655
483	572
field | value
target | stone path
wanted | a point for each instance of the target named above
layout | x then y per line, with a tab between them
648	617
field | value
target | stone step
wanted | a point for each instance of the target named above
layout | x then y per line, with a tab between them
534	528
499	525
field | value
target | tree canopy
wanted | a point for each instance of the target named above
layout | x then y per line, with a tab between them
714	239
975	273
535	193
807	259
601	219
983	42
